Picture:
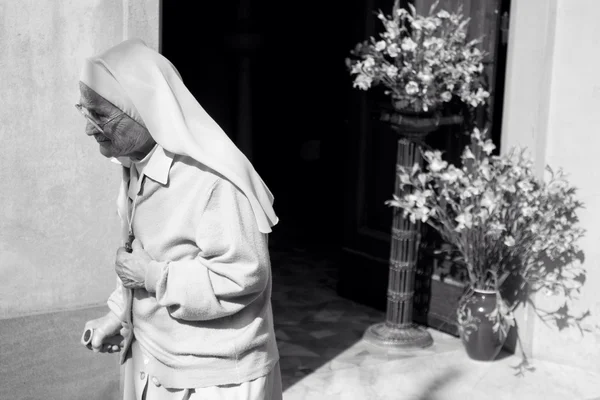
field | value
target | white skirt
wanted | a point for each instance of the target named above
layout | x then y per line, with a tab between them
138	386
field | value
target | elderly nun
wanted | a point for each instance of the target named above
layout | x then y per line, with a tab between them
191	314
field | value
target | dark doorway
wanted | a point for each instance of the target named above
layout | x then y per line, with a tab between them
314	140
299	96
300	92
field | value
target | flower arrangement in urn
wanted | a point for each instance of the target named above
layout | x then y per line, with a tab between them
512	231
422	61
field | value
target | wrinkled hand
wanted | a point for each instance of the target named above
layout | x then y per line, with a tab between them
131	267
108	334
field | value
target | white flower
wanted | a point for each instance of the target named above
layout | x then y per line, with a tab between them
472	69
443	14
429	25
391	71
368	63
555	187
426	78
437	165
534	228
430	155
484	169
420	213
392	30
464	220
478	186
451	175
415	168
488	201
446	96
482	94
525	186
412	88
411	199
418	198
516	171
362	82
408	44
411	217
404	178
428	42
527	211
379	46
488	147
509	241
356	68
468	154
401	12
465	194
474	99
393	50
497	227
422	179
508	187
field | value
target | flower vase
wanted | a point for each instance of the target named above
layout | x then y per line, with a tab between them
410	124
481	340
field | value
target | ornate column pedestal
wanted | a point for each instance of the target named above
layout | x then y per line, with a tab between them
399	331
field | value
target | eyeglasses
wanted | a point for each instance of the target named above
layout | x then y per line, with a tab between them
84	111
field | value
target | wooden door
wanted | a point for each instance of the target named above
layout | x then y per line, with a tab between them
488	21
369	178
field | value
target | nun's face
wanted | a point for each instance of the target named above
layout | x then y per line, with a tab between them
122	136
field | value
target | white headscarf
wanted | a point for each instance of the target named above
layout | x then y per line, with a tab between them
148	88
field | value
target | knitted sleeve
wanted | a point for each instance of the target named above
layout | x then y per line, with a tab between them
117	301
231	269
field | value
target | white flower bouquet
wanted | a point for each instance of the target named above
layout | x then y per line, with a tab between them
500	218
422	61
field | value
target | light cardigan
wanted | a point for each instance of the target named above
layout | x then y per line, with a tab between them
205	314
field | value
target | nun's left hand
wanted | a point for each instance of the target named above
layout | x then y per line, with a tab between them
131	267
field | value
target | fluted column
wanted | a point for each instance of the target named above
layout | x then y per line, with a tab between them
398	330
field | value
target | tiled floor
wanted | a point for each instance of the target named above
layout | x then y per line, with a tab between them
323	356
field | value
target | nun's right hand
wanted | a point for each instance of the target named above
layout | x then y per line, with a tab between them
102	335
